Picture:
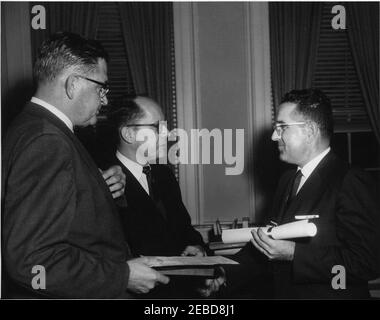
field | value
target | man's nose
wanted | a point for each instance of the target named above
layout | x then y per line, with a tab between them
275	136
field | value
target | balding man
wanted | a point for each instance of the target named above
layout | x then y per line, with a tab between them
156	221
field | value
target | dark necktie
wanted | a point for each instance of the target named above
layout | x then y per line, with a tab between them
295	185
147	170
148	173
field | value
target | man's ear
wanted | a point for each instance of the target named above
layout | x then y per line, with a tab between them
312	130
70	86
128	135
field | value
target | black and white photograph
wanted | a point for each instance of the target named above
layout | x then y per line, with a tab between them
190	155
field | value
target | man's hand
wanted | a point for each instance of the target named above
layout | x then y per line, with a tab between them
142	278
197	251
115	179
211	286
273	249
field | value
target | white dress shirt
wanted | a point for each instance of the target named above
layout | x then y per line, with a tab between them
309	167
135	168
58	113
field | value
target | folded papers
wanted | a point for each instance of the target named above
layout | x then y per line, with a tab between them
208	271
298	229
190	261
190	266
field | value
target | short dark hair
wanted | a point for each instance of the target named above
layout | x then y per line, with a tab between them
313	105
126	111
63	50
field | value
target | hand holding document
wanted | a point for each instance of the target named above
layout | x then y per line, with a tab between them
298	229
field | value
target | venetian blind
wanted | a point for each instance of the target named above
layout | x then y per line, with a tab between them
109	33
335	74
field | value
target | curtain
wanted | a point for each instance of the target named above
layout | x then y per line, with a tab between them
294	34
363	33
77	17
148	37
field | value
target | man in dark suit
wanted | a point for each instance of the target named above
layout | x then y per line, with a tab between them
347	241
61	235
155	219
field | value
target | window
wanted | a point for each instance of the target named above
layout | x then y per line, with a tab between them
335	74
109	33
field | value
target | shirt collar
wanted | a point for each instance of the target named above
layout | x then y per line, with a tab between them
58	113
309	167
134	167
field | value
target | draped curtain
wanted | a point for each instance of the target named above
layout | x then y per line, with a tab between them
294	34
77	17
148	37
363	34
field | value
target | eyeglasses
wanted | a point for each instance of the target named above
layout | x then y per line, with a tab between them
104	86
156	125
281	127
160	126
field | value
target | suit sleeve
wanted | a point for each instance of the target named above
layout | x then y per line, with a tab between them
357	230
40	206
191	236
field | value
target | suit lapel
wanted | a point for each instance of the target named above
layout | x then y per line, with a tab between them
306	198
135	193
311	192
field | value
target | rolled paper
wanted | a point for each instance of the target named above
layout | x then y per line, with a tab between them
238	235
298	229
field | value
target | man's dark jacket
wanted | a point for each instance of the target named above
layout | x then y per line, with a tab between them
57	213
348	227
158	225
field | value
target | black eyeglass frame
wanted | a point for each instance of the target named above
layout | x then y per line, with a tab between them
104	86
154	125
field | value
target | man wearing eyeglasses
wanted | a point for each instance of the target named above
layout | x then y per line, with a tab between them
321	185
155	220
61	235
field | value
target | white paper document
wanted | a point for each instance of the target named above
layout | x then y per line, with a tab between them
189	261
298	229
